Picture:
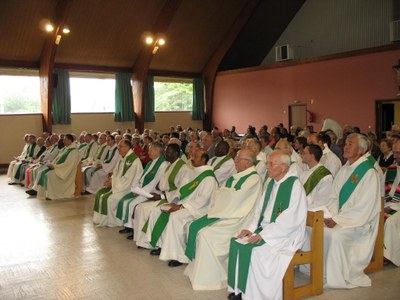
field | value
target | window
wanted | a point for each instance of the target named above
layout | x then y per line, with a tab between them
90	94
172	94
19	92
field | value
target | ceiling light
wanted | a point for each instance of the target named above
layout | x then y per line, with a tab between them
149	40
49	27
66	30
161	42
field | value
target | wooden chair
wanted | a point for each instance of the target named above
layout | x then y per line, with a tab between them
314	257
376	263
78	179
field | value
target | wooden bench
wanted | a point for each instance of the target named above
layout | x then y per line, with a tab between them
314	257
376	263
78	179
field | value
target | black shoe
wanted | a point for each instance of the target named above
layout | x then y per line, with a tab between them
126	230
31	192
232	296
129	237
174	263
12	183
85	193
155	252
141	248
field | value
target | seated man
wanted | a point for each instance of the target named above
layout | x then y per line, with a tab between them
14	169
328	159
58	181
10	171
209	237
261	157
175	176
34	171
105	167
168	230
259	257
90	150
350	234
222	163
148	181
126	172
317	180
90	166
391	251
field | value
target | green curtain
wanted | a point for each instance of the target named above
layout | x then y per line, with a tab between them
149	101
61	105
198	99
123	98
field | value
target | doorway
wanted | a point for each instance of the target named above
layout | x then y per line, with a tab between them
387	113
298	115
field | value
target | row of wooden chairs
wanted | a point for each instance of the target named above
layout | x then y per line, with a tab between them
315	257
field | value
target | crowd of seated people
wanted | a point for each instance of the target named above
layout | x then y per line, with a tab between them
231	208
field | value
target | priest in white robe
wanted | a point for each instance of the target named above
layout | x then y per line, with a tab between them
355	203
126	173
18	158
103	169
147	184
209	236
222	163
194	200
58	181
176	175
317	180
258	263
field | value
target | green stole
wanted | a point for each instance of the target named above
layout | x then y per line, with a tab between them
128	162
63	156
390	176
82	145
184	191
146	180
109	158
105	193
171	183
242	253
31	150
102	148
88	151
29	153
221	162
174	172
352	182
315	178
204	221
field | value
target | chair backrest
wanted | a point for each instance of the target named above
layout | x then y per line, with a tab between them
315	220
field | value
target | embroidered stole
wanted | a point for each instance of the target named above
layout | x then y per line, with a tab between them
353	181
184	191
204	221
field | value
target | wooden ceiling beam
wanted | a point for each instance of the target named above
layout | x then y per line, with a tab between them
47	62
209	72
141	66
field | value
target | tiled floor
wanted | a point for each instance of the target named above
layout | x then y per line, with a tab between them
51	250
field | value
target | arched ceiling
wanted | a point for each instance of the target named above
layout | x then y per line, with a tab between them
108	33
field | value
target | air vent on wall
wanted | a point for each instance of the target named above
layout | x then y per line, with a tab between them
283	52
395	31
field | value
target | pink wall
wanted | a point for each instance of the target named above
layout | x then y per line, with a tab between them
341	89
